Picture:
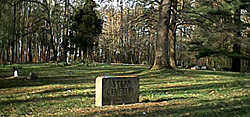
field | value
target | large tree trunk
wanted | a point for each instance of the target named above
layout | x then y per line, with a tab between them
48	53
121	30
13	52
22	52
53	46
3	49
172	43
236	65
172	36
51	33
75	54
14	35
30	50
8	54
248	66
161	52
65	31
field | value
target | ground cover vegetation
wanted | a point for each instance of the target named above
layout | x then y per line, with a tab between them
70	91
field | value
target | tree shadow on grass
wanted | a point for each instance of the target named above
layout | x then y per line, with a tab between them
41	99
11	83
240	106
135	109
196	87
213	109
220	73
194	73
165	99
48	75
131	72
62	90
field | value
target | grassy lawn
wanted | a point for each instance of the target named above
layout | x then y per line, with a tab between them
70	91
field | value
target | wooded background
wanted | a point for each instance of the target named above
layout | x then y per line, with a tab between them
162	33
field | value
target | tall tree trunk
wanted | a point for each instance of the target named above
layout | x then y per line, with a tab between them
75	54
121	50
14	35
30	50
18	8
248	66
53	45
1	55
13	52
22	52
236	64
65	32
108	50
8	54
51	32
48	53
23	30
3	49
172	36
161	52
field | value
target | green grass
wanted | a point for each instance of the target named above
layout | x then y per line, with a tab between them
70	91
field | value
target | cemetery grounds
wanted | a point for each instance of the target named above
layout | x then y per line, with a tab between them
70	91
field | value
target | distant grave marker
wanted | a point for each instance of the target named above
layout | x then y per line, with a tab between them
114	90
15	71
32	76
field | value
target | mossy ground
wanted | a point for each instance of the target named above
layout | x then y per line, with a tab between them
70	91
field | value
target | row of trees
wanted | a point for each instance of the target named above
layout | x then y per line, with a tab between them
137	32
167	33
163	33
31	26
46	30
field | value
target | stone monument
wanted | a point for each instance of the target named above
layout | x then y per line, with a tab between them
114	90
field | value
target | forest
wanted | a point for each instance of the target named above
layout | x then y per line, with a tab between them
161	33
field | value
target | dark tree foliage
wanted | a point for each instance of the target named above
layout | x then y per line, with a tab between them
218	30
86	26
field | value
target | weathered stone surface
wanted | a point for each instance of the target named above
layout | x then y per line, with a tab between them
114	90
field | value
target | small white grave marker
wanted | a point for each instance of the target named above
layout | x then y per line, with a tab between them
15	73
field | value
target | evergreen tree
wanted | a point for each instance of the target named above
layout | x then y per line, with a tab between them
86	26
218	29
